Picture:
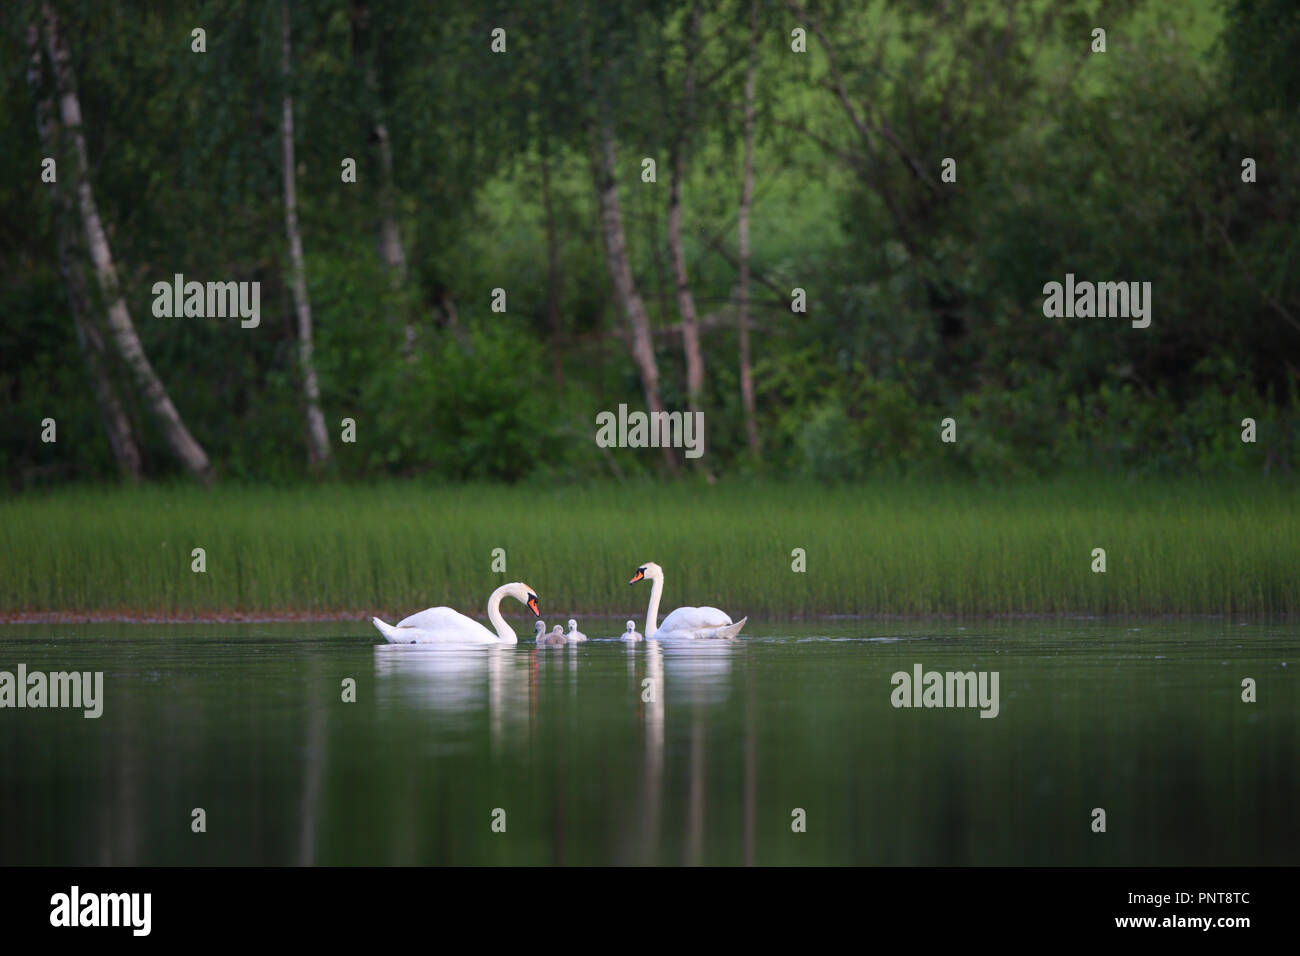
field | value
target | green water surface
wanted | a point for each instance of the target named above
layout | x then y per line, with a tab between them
657	753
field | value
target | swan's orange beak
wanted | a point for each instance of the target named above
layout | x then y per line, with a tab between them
532	605
640	573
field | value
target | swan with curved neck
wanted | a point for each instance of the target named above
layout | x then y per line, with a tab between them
685	622
442	625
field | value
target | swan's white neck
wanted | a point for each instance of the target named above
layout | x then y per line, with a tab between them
656	577
503	629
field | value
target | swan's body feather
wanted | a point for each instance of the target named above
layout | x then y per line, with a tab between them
443	625
436	625
695	619
685	623
440	618
701	631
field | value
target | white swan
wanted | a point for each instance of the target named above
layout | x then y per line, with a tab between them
630	635
574	634
554	639
442	625
685	622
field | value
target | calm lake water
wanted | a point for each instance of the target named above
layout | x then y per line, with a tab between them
1141	718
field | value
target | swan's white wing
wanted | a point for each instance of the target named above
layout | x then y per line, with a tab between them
694	619
443	624
434	618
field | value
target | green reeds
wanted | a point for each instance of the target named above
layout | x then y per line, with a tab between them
1187	546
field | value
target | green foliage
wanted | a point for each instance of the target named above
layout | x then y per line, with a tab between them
1261	40
924	298
478	408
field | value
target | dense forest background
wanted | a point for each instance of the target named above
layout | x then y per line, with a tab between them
524	171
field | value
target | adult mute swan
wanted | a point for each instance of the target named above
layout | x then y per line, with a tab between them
574	634
442	625
685	622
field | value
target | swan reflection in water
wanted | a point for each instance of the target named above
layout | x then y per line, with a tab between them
455	683
695	676
699	671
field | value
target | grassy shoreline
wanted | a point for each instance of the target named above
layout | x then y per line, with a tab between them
522	623
1187	546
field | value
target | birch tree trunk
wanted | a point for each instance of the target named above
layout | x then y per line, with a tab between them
391	249
318	443
390	236
742	229
552	272
117	424
685	300
620	272
178	437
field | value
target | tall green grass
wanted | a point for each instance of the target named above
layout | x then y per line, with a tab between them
1171	547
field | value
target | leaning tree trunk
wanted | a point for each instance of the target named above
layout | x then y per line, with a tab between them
318	442
620	272
118	318
742	228
117	424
